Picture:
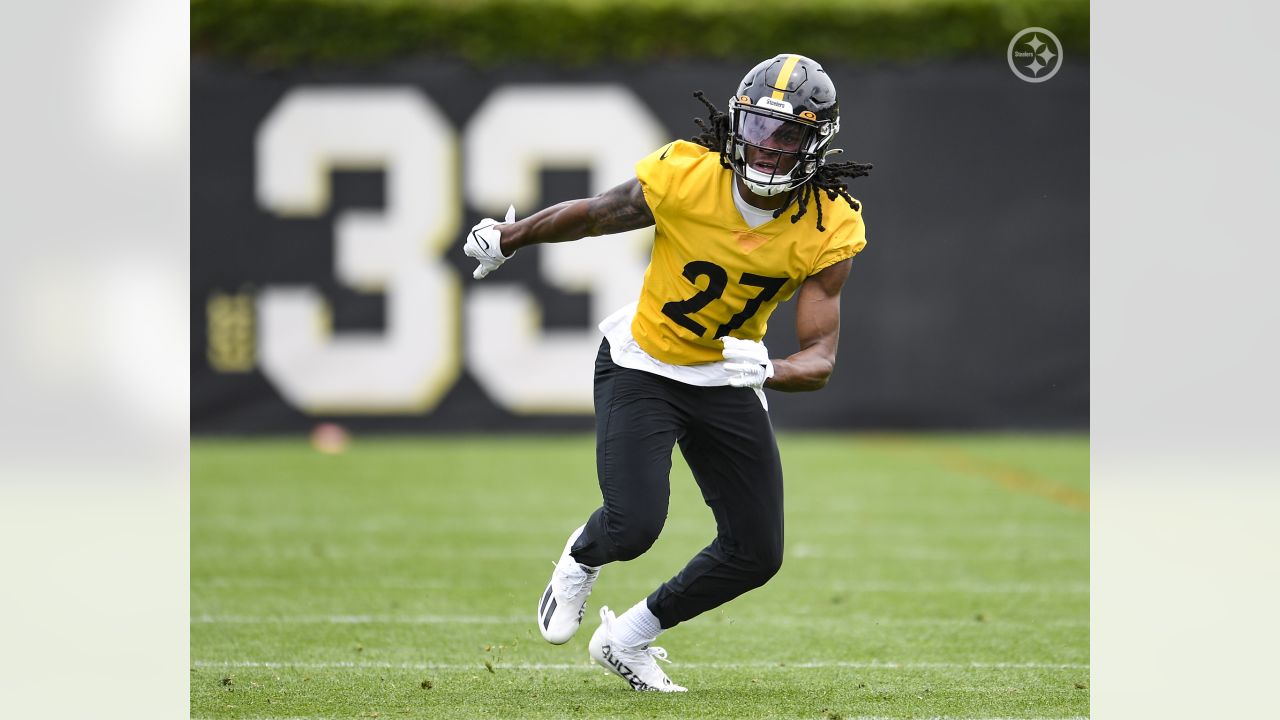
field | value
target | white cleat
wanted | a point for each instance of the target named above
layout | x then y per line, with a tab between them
564	602
637	666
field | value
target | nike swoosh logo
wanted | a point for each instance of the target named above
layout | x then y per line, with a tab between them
664	152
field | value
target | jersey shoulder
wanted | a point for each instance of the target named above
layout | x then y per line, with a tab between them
839	210
663	171
845	236
682	152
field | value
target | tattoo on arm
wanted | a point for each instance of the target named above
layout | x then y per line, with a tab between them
619	209
613	211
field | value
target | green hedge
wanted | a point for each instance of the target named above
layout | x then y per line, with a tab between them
577	32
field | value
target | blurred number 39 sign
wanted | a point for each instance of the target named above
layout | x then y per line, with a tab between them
432	327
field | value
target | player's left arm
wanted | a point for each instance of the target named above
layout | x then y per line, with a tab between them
818	330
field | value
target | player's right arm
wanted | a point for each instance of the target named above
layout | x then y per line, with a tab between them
613	211
617	210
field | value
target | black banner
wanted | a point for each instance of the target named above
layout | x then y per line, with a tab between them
329	208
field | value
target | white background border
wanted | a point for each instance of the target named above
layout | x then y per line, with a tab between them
1185	331
1185	313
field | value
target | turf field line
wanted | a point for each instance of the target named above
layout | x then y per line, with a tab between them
393	549
941	551
1010	477
868	586
379	582
935	553
793	621
869	665
357	619
1013	478
690	532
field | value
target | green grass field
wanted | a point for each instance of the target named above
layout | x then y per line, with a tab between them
925	577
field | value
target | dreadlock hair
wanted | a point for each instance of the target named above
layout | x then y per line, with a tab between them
831	178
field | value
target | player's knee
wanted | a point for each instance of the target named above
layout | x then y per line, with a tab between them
771	563
766	563
633	541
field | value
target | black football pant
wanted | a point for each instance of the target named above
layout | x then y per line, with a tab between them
727	439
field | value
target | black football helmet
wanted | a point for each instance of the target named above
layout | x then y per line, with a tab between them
781	123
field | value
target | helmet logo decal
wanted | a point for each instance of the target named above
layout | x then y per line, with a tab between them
808	115
784	76
772	104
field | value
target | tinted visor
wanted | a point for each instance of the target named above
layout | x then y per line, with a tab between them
773	133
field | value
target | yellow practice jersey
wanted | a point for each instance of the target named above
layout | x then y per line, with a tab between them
710	274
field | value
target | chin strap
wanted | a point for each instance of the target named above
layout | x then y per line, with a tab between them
766	190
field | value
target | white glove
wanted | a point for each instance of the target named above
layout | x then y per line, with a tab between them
747	362
484	244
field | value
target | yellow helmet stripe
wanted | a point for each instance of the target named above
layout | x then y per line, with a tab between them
784	76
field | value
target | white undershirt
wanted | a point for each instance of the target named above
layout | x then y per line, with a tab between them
627	353
753	216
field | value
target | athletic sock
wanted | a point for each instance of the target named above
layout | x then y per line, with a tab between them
637	627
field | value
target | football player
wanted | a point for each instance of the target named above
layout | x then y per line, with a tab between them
686	364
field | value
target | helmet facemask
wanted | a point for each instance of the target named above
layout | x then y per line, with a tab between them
772	150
